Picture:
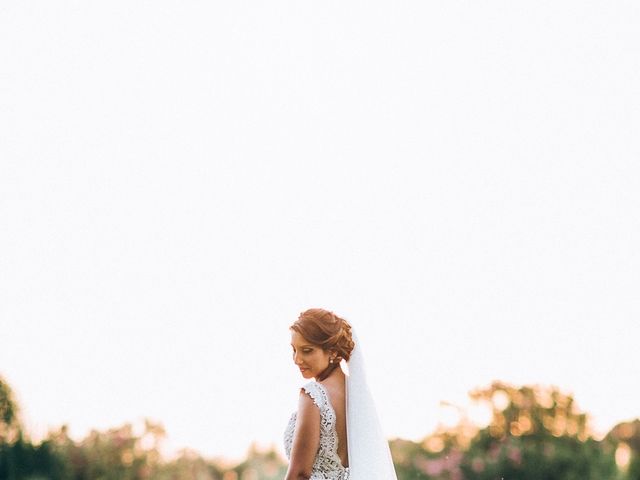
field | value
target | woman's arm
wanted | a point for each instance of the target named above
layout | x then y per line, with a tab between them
306	439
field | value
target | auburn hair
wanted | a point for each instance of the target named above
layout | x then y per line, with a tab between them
327	330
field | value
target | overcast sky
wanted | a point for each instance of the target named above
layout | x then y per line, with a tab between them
179	180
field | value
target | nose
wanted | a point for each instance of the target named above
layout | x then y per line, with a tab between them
295	359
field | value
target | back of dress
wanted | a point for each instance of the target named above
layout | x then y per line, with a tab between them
327	464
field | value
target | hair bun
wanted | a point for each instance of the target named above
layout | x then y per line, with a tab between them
345	340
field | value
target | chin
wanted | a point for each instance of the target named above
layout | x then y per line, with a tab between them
306	374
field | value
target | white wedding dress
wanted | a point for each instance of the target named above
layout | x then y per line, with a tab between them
368	449
327	464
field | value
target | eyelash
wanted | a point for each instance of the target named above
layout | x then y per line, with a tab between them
303	351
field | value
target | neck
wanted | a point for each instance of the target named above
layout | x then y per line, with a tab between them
332	370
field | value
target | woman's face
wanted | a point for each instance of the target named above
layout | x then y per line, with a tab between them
311	359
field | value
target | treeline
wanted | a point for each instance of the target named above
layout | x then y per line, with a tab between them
532	433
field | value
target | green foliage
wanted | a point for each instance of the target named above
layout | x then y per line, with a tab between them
530	457
625	438
23	460
117	454
187	466
261	465
438	456
535	434
9	423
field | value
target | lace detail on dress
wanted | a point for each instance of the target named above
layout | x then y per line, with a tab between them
327	464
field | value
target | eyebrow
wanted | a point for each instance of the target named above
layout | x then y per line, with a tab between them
305	345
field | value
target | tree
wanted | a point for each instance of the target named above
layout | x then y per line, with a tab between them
535	434
9	423
625	439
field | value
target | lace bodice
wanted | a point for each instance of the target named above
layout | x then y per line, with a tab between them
327	464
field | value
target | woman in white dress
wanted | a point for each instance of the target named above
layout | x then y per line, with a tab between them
335	433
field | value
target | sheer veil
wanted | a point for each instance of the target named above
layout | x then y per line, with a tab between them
368	449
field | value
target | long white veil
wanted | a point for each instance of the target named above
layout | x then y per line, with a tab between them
368	449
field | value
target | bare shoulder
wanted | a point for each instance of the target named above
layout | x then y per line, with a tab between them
308	412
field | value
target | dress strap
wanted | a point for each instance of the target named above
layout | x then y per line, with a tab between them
317	393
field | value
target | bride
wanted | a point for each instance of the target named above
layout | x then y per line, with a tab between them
335	433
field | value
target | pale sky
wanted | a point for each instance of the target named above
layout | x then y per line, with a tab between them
179	180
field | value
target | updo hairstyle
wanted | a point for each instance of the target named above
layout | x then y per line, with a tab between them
327	330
